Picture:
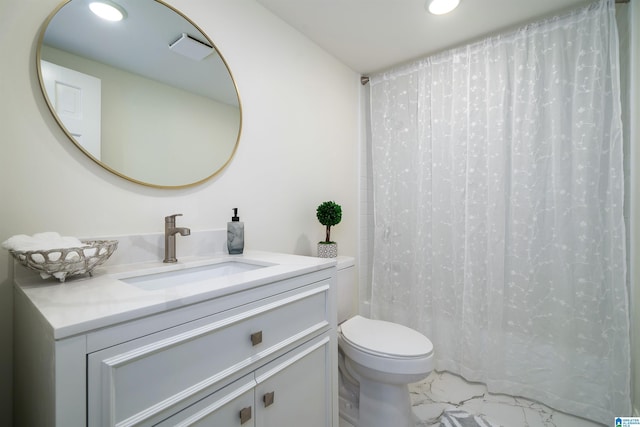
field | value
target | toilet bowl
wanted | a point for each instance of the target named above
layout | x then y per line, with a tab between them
378	360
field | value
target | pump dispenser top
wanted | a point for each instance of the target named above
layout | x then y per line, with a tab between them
235	234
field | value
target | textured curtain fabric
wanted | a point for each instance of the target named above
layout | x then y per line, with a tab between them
498	203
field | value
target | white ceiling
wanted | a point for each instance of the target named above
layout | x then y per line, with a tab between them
366	35
373	35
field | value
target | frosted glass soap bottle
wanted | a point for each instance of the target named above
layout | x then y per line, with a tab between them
235	234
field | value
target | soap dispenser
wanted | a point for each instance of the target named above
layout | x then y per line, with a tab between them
235	234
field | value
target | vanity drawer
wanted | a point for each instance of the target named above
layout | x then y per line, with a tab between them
163	372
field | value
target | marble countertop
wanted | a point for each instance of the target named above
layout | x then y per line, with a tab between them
87	303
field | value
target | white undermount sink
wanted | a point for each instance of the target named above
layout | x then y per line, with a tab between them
168	279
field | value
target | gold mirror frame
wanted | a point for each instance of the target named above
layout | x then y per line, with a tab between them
221	165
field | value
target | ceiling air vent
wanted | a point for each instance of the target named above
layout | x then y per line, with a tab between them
191	47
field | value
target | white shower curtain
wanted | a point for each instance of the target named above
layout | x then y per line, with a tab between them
498	202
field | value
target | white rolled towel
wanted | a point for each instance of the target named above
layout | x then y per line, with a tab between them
41	242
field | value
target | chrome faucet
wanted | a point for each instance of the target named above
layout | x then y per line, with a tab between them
170	231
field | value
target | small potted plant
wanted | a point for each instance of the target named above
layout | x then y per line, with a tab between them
329	214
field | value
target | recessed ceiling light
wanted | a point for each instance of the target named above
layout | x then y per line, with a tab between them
440	7
108	10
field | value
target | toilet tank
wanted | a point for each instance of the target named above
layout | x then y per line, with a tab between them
347	288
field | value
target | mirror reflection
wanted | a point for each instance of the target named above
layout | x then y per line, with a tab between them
148	96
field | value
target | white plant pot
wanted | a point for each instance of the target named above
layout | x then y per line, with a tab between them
327	250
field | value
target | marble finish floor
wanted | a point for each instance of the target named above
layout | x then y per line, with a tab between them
442	390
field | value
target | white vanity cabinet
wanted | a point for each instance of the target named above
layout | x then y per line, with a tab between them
265	356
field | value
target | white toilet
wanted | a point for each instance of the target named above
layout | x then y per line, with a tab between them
377	361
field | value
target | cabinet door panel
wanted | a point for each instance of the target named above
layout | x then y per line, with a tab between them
295	390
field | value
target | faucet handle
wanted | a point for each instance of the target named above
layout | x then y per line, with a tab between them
171	218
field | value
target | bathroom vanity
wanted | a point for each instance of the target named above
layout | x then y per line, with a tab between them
244	340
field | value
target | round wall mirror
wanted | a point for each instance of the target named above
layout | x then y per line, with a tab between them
148	97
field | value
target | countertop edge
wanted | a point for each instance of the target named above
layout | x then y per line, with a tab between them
110	301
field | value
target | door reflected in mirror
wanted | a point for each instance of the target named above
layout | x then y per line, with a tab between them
148	97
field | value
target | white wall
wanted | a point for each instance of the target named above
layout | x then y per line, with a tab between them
299	147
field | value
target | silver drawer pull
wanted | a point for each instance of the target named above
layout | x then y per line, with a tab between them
245	414
256	338
268	398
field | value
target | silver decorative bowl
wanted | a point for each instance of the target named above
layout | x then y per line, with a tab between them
63	263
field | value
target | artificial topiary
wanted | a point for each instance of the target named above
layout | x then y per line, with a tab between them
329	214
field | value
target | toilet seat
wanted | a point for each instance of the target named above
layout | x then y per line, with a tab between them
385	339
385	347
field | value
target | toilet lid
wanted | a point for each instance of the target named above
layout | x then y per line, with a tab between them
385	338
